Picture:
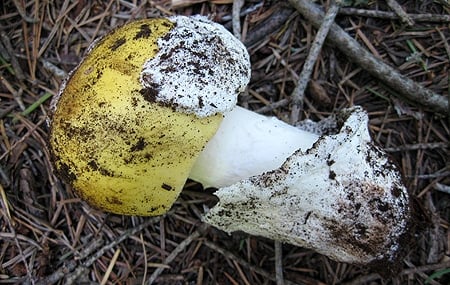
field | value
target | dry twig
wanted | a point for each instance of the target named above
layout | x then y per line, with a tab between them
237	6
299	91
268	26
279	262
393	16
10	55
400	12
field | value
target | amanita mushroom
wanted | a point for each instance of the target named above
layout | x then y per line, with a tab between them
133	122
132	118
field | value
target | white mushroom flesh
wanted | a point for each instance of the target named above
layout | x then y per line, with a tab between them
247	144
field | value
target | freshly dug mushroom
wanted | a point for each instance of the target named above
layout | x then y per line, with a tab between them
153	103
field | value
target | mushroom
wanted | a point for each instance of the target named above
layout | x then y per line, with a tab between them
130	121
153	103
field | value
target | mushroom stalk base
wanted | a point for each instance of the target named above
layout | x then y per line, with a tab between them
342	197
247	144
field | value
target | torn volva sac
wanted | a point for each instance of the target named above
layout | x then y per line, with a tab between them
342	197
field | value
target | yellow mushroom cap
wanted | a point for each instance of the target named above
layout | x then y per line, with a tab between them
121	146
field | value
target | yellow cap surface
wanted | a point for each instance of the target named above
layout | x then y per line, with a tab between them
122	152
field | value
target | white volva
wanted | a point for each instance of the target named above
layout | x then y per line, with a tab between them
337	194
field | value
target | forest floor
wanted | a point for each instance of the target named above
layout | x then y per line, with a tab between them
48	235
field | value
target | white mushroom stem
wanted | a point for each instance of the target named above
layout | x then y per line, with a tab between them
339	194
247	144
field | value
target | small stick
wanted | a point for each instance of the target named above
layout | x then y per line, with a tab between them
268	26
279	262
237	6
392	16
16	94
273	106
400	12
442	188
22	12
409	147
70	265
9	50
447	48
145	258
299	91
110	267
